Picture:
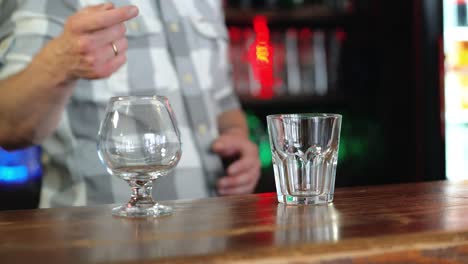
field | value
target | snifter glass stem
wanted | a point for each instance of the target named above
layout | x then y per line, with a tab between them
141	194
141	202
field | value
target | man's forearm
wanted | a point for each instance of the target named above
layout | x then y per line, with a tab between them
32	101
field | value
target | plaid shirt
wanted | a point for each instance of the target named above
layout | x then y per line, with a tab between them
176	49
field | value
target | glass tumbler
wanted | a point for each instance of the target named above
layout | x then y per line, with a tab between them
305	155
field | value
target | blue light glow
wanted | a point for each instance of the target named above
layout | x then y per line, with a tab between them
20	166
13	174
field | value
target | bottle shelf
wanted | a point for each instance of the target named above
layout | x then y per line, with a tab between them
290	101
304	16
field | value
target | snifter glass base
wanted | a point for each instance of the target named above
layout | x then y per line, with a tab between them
298	200
154	211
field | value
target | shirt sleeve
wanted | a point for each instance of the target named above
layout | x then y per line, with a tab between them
6	29
225	94
25	30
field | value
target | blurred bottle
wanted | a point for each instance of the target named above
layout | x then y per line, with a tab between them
239	66
306	61
320	62
461	12
252	84
292	63
279	65
337	38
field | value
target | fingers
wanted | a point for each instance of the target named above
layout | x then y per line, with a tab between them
106	52
242	177
121	45
101	18
88	38
239	184
106	36
235	180
229	145
108	68
114	65
103	62
242	165
243	173
88	43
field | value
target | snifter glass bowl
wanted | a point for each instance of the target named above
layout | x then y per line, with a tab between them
139	142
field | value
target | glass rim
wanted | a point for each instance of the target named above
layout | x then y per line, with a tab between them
304	115
138	97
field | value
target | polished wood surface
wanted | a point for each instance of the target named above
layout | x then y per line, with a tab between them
409	223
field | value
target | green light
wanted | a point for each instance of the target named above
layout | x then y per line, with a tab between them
253	121
343	150
265	153
259	136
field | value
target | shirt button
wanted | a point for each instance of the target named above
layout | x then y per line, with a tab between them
174	27
202	129
188	78
134	26
3	46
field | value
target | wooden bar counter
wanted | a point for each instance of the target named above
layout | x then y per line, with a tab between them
408	223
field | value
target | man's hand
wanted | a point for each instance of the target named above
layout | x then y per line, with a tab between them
243	173
85	48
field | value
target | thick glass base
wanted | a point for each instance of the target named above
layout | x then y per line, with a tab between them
298	200
153	211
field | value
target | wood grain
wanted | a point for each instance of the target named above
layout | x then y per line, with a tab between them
409	223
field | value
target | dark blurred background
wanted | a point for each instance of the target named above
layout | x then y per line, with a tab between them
378	63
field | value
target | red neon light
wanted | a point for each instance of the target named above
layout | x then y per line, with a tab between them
260	57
